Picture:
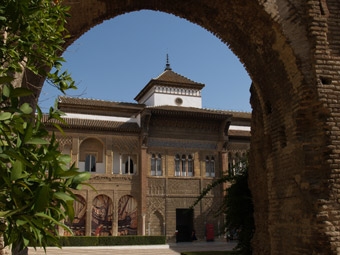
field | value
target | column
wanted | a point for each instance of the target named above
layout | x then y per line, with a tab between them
223	168
89	212
108	156
143	189
120	163
115	214
75	151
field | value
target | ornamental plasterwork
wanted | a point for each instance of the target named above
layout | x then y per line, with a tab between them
186	124
180	202
155	186
125	143
183	186
101	177
152	142
67	140
210	205
156	204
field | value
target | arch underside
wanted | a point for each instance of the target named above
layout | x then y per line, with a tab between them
295	146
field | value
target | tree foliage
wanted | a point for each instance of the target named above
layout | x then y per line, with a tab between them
237	206
36	180
32	34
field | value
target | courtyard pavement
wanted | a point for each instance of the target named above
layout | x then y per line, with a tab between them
168	249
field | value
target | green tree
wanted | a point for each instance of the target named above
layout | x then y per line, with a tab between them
237	206
36	181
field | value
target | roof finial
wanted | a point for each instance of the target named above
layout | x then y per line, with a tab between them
167	66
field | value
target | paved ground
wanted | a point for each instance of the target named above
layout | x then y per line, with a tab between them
169	249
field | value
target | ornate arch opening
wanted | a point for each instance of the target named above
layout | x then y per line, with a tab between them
102	214
78	224
127	216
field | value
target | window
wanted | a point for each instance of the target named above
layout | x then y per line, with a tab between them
210	166
90	163
156	165
159	165
184	169
184	165
177	166
190	166
129	166
153	165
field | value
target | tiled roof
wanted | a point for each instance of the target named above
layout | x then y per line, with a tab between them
98	125
94	102
171	76
234	114
180	109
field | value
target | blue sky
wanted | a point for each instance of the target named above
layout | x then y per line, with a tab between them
116	59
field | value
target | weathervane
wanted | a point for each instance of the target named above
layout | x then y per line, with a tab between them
167	66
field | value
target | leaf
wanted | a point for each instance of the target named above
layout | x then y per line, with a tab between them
62	196
26	108
14	154
21	92
6	79
66	159
4	213
43	215
6	91
59	128
5	115
17	169
81	177
28	132
42	199
36	140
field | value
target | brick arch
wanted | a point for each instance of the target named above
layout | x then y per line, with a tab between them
284	46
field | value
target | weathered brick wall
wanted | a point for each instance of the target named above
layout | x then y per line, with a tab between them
291	50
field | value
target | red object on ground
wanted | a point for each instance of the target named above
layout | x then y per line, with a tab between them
210	232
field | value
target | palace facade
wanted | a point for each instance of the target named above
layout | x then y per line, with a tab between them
151	159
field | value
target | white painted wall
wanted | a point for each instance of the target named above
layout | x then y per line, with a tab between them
150	101
115	164
100	117
241	128
160	95
100	167
168	99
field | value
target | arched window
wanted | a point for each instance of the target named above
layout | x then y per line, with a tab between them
207	166
90	163
184	166
177	166
129	166
159	165
210	166
91	156
156	165
153	165
190	166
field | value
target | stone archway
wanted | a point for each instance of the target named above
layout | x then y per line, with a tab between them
290	50
156	224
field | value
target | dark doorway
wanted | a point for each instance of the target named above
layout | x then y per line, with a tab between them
184	224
